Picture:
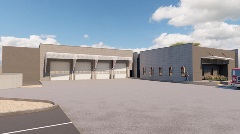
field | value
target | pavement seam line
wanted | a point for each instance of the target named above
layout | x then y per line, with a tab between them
37	128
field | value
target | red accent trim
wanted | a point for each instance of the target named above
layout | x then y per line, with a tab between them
236	69
234	79
236	82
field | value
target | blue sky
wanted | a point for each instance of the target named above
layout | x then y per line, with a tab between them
117	23
121	24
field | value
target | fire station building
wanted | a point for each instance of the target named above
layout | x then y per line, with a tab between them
59	62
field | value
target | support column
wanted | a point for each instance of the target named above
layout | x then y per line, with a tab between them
73	69
129	64
112	70
45	65
94	69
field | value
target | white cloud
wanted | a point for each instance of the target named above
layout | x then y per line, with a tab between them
207	20
98	45
210	34
191	12
164	40
138	50
216	30
101	45
32	41
86	36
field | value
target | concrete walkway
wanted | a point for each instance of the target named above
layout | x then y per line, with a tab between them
131	106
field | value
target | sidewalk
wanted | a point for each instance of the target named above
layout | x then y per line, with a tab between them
208	83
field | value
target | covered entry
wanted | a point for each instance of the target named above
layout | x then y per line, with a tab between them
83	70
60	70
214	65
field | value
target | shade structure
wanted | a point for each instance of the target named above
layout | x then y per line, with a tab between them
55	55
217	57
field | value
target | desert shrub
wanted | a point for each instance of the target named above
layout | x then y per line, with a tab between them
209	77
223	78
216	78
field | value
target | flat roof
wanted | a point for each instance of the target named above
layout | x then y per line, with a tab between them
187	44
88	47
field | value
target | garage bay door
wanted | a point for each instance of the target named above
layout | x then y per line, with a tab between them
120	70
60	70
83	70
102	71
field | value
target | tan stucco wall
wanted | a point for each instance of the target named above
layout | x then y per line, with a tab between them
22	60
10	80
199	52
78	50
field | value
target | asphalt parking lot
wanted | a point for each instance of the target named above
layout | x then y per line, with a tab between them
52	121
132	106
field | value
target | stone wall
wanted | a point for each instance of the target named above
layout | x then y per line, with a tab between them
175	57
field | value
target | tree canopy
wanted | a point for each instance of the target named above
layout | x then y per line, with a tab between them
182	43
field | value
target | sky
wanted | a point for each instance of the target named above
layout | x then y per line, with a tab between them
121	24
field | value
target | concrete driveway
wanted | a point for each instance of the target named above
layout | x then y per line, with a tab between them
131	106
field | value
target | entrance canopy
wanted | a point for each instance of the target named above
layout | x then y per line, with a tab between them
217	57
215	60
55	55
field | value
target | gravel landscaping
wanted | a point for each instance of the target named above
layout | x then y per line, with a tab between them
7	106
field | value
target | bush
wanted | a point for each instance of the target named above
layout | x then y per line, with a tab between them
216	78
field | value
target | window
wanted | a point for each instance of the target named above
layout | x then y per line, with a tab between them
151	71
170	71
144	71
160	71
183	71
211	71
202	71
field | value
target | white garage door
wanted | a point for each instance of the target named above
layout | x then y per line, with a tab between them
83	70
60	70
120	70
102	71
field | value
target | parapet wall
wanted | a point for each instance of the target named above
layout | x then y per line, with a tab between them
10	80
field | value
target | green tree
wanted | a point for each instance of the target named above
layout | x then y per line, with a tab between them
182	43
178	44
196	44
